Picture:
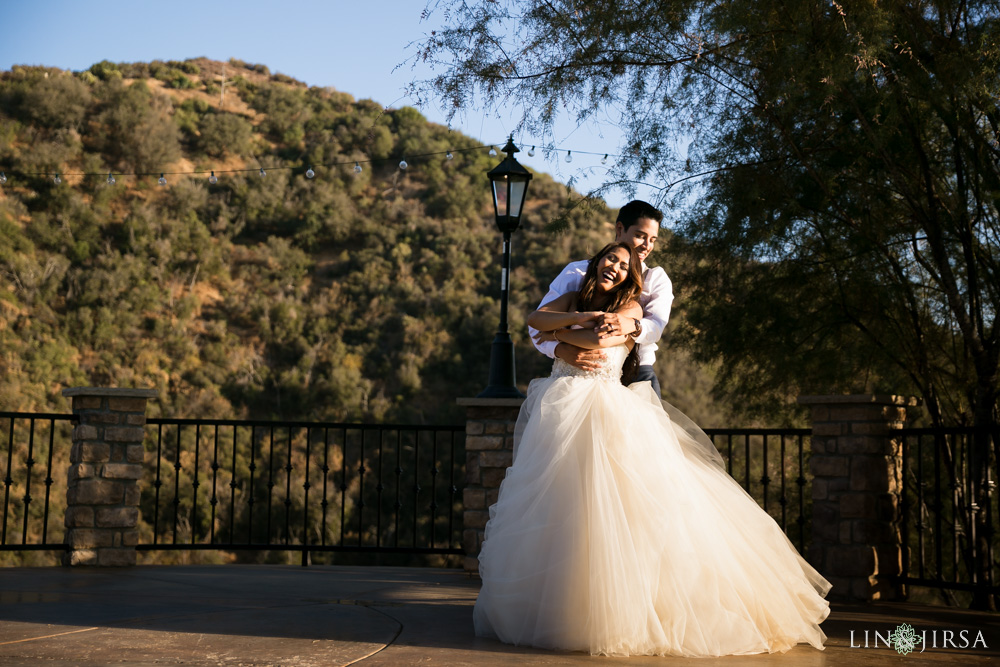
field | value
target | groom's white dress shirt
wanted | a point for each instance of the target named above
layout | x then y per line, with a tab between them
656	299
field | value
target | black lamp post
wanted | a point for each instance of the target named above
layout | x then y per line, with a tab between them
510	187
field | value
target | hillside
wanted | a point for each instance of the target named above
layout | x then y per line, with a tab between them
346	296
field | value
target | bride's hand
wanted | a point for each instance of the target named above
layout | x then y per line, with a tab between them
589	319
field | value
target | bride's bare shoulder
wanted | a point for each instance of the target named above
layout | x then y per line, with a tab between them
631	309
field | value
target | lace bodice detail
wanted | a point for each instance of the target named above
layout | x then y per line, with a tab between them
611	369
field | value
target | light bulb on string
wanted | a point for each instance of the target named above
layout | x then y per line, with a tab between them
604	160
162	180
402	164
56	179
310	173
569	156
357	168
531	152
262	173
3	178
213	179
449	156
111	178
493	151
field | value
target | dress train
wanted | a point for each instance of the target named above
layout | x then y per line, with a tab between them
617	531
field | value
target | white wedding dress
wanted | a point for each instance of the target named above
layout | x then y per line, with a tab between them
618	532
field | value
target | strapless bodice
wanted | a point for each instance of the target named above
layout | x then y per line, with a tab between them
611	367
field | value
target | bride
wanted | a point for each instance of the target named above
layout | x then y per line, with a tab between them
617	530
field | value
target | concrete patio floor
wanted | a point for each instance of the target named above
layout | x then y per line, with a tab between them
336	615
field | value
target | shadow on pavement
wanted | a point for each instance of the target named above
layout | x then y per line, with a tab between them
331	615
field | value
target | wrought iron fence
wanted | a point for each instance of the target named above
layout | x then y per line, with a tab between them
303	486
34	456
315	487
771	466
950	510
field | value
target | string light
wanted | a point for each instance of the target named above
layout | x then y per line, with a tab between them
310	172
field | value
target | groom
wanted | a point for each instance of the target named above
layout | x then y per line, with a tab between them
638	223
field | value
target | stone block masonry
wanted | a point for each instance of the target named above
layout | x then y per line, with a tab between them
857	469
489	451
106	459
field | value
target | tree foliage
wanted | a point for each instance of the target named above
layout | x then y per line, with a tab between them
134	128
834	167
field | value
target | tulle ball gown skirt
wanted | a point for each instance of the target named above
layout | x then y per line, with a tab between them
616	534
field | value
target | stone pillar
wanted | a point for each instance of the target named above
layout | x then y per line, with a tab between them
857	468
102	499
489	451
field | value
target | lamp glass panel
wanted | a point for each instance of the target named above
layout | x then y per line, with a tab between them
517	188
500	195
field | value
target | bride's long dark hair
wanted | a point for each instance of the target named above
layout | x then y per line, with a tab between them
621	294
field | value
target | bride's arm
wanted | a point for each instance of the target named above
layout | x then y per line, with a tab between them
590	340
559	313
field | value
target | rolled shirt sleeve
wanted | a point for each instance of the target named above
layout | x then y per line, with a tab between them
656	298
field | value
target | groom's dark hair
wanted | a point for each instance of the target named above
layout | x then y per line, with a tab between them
630	213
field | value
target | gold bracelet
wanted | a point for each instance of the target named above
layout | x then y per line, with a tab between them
555	334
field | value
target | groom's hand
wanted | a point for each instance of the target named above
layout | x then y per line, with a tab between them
587	360
544	336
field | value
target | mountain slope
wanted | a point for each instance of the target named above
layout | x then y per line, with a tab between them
347	296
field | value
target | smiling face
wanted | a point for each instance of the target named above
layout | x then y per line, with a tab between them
641	234
612	269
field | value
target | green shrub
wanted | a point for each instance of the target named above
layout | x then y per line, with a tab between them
187	120
185	66
224	133
196	105
179	81
57	101
105	70
86	76
137	131
134	70
284	78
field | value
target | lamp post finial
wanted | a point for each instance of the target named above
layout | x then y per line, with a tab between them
510	148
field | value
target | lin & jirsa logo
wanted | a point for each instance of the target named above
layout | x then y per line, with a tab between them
904	639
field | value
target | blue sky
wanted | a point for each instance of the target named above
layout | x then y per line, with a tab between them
355	47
